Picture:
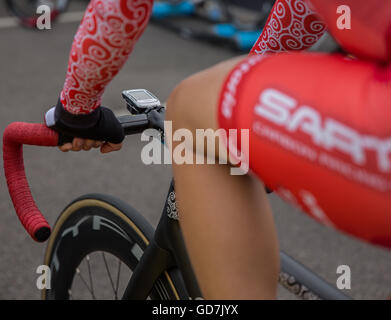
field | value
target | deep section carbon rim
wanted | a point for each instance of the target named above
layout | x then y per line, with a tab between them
93	250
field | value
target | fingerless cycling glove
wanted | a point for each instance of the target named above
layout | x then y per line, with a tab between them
101	124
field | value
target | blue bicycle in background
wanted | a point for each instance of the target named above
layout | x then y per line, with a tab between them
233	23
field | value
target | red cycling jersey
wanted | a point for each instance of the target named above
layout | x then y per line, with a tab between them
319	131
362	27
101	46
319	124
367	31
110	28
292	25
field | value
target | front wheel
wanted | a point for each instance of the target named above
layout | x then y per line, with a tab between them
95	245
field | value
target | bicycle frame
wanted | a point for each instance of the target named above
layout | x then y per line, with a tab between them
167	249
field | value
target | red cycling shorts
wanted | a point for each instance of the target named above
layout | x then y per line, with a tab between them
319	135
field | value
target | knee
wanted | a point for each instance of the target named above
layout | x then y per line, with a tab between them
178	103
193	103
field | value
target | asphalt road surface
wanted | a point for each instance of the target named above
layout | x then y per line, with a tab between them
32	68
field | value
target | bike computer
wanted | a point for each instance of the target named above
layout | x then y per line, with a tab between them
140	99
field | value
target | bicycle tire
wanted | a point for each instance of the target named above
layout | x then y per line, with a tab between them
93	223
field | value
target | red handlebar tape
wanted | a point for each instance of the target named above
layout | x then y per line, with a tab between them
15	136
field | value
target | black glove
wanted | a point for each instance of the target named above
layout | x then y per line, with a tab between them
101	124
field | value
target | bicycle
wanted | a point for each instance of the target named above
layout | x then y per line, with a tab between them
97	224
225	23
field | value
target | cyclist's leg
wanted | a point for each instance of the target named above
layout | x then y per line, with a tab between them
226	220
320	137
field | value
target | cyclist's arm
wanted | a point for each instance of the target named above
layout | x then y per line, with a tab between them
101	46
292	25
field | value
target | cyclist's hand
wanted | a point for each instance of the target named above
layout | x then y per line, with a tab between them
79	144
99	129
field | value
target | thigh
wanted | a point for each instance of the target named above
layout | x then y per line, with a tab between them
320	135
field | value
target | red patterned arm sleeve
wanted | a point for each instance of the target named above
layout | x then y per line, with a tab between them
101	46
292	25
